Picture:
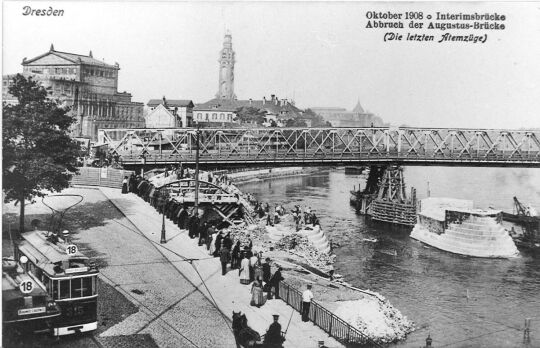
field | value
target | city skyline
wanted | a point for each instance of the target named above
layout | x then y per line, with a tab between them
298	51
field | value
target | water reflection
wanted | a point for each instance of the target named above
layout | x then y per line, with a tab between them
461	301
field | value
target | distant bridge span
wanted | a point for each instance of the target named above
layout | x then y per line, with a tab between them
326	146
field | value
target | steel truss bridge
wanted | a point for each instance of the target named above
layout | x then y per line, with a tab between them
325	146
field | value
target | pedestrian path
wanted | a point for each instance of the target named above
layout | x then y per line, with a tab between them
226	291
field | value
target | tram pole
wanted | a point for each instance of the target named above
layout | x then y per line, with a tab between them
197	170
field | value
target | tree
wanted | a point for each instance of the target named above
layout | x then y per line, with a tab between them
316	119
295	122
38	154
250	114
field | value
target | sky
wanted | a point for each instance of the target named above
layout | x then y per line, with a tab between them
319	53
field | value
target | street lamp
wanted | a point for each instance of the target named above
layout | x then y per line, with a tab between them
163	197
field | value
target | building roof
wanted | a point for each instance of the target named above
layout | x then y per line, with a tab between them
74	58
328	109
358	108
217	104
170	102
232	105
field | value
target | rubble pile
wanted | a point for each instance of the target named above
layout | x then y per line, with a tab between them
378	320
244	233
303	247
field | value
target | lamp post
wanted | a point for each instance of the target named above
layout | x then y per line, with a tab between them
163	199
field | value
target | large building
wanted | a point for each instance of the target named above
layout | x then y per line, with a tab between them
89	86
340	117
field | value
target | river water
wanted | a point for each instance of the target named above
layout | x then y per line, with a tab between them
428	285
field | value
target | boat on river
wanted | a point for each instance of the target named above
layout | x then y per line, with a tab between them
453	225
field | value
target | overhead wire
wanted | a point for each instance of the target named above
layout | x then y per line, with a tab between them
190	260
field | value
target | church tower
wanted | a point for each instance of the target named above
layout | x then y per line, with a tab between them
226	70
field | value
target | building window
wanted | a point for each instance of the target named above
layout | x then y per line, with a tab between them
101	73
199	116
207	116
214	116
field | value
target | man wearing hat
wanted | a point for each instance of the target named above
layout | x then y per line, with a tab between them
273	338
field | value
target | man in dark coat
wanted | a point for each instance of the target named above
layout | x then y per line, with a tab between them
227	241
224	259
273	338
203	233
219	238
131	183
276	279
193	226
266	270
183	218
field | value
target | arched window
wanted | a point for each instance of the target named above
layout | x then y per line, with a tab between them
221	116
214	116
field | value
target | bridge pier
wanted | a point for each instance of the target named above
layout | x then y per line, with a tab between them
384	198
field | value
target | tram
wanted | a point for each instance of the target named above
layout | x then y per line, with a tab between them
27	308
68	276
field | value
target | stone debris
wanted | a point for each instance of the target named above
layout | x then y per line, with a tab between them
378	320
301	246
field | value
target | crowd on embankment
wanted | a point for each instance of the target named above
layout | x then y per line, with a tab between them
247	249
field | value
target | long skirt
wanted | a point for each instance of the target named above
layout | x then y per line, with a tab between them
257	297
244	276
125	187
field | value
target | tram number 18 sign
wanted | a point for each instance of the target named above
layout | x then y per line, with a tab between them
71	249
26	286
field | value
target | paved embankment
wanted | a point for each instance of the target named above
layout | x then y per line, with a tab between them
228	293
168	307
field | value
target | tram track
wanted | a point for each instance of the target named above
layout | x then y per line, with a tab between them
228	322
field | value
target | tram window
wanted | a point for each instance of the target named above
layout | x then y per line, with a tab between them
76	287
64	289
55	289
87	286
45	280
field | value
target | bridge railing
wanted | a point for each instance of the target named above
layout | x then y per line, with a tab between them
325	319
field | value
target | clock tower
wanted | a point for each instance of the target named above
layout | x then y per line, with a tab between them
226	70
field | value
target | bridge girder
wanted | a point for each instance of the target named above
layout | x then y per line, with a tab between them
327	146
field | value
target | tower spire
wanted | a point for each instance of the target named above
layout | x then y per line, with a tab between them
226	69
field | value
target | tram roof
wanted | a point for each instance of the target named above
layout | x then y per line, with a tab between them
44	253
10	284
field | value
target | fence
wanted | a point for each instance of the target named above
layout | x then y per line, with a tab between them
326	320
108	177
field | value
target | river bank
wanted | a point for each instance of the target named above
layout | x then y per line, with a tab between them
303	264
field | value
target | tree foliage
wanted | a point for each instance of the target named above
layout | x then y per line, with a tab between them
38	154
250	114
316	119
